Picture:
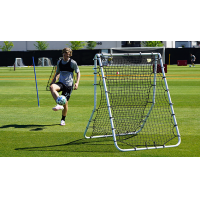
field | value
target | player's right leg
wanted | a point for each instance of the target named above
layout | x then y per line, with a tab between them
54	88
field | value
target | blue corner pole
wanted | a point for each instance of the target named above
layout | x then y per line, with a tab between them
36	83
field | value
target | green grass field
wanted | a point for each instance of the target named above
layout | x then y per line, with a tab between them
27	130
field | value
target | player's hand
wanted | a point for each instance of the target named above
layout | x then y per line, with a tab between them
75	86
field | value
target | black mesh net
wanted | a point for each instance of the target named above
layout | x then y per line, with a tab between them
137	121
53	72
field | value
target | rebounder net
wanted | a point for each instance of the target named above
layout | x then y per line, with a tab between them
45	61
138	101
19	62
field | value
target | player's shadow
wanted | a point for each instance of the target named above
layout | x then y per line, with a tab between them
93	145
31	127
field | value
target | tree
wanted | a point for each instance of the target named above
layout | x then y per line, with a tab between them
91	44
77	45
152	44
41	45
7	46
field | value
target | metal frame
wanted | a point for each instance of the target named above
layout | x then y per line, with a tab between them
157	56
139	49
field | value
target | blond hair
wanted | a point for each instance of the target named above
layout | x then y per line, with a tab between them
65	50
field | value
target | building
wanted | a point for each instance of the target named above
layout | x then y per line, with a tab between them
58	45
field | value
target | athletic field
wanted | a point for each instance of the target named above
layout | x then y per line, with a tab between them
27	130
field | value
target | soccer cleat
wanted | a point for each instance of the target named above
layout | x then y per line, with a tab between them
62	123
57	107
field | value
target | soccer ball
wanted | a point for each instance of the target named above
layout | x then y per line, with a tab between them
61	100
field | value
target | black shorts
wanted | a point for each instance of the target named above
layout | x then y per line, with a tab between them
192	61
66	90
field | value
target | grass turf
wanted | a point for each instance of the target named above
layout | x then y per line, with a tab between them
27	130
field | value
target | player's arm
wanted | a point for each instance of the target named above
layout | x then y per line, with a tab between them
57	74
56	77
77	80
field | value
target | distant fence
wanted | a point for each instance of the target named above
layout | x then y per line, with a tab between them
85	57
82	57
181	54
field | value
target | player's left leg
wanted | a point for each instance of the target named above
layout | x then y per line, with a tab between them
67	93
64	111
64	114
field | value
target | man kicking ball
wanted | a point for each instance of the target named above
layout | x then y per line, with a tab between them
65	68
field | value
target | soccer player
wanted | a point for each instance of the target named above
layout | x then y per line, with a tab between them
65	68
193	58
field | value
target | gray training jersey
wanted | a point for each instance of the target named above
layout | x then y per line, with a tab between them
66	74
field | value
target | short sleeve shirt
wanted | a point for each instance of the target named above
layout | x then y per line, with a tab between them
66	76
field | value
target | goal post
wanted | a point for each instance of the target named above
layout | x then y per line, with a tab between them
135	107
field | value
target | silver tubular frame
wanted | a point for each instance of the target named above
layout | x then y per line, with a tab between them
157	56
171	104
95	95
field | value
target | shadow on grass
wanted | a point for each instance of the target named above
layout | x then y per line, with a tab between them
80	145
32	127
